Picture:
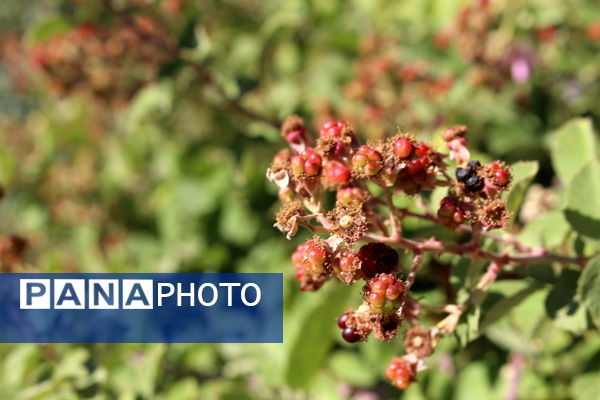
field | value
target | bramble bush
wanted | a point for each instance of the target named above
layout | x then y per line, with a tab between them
439	189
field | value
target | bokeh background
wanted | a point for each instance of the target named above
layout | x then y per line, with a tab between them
135	136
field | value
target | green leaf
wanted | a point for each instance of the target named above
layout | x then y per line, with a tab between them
313	339
548	230
523	173
572	147
504	306
349	367
562	305
47	29
583	201
586	387
589	288
473	383
237	223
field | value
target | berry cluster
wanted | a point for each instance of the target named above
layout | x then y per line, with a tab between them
377	258
383	288
389	82
468	176
367	161
307	163
401	372
108	62
366	178
311	263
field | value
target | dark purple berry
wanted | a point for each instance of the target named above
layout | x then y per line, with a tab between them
462	174
350	335
473	164
377	258
342	320
474	184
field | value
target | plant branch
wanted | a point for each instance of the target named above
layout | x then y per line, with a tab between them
536	256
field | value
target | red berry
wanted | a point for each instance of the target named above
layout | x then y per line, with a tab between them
403	147
417	165
393	291
367	161
332	129
502	177
346	263
297	165
459	217
494	166
350	195
350	335
316	256
336	173
447	207
421	149
376	299
378	286
400	372
308	162
359	160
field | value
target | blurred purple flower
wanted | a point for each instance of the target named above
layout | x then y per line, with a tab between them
520	61
520	70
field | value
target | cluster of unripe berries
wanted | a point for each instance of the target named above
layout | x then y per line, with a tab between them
109	62
307	163
451	211
334	129
367	161
383	288
336	161
310	263
386	86
413	176
401	372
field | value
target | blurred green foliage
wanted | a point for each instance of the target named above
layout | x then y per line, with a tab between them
173	179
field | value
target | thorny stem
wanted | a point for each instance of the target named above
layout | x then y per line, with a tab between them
394	219
526	254
434	246
448	324
414	268
505	238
